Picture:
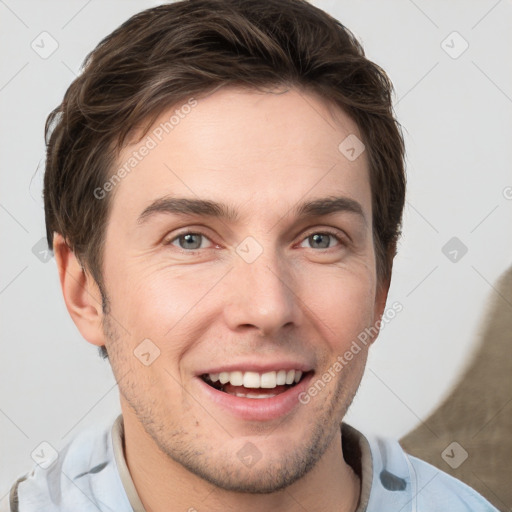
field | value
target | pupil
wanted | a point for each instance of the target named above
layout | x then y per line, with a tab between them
317	238
189	241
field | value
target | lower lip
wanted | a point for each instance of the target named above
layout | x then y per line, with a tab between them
257	409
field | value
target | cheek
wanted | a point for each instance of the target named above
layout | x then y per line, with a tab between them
343	304
162	304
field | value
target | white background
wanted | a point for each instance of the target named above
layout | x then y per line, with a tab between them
457	121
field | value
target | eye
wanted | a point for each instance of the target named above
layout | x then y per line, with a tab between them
322	239
188	241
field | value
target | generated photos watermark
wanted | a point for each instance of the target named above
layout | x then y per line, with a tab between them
150	143
363	338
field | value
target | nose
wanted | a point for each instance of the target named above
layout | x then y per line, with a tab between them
261	295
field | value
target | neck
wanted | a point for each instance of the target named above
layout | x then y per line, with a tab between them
331	485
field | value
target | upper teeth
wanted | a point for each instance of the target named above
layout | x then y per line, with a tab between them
257	380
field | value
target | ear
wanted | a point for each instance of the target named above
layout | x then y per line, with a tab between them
81	293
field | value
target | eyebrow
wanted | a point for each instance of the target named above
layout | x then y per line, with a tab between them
203	207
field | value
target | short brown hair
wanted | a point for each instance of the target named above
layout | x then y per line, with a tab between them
167	54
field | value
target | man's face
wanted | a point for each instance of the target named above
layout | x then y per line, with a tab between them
267	292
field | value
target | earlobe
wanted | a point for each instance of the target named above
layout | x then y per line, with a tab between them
80	291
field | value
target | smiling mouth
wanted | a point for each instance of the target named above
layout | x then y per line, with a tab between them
254	384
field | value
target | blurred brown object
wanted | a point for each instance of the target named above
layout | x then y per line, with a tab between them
478	412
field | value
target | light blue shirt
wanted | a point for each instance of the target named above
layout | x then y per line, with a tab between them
90	475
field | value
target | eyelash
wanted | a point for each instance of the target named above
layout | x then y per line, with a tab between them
335	234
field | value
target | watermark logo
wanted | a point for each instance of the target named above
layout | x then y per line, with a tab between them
45	45
41	252
351	147
146	352
454	45
249	249
44	455
454	249
249	454
454	455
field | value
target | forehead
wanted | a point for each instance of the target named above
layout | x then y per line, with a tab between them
245	148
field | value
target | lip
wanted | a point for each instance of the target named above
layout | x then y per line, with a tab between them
256	409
